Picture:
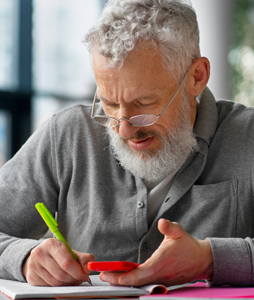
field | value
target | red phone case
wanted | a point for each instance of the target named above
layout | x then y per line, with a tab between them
113	266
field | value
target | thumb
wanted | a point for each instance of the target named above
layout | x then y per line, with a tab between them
83	259
170	230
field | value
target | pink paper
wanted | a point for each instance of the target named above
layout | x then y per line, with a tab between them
200	290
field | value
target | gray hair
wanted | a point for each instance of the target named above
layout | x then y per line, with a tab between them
170	25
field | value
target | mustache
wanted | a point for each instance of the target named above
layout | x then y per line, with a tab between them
142	135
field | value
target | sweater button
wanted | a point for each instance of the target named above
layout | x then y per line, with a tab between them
145	247
140	204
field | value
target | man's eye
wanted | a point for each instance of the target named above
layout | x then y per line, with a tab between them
110	104
146	104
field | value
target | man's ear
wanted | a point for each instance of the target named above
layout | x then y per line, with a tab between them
198	76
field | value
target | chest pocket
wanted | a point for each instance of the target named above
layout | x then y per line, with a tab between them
209	210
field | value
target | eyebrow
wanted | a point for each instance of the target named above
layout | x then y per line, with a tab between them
143	97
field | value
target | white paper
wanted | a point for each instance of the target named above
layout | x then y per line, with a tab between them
18	290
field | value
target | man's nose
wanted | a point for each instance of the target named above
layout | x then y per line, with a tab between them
125	129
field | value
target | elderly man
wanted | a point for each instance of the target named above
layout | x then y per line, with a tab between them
156	171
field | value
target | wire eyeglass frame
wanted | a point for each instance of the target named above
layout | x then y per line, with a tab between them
143	118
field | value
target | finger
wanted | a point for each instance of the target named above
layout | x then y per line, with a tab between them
38	275
69	269
33	279
51	280
45	276
137	277
83	259
48	269
60	269
111	277
171	230
31	275
53	256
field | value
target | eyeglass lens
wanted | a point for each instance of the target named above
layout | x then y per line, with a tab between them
143	120
140	120
106	121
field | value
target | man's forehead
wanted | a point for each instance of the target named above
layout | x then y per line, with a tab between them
126	73
132	77
124	83
142	61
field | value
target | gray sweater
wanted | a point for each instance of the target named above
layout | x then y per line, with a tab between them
67	164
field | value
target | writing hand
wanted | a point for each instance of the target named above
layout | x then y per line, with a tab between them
179	259
52	264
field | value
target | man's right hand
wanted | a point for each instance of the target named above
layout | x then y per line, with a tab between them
52	264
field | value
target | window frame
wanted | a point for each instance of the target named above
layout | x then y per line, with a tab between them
18	102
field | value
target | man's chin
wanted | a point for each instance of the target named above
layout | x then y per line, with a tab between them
144	155
157	161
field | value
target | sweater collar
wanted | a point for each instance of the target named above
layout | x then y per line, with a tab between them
207	117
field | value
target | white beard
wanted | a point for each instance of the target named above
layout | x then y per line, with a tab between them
155	166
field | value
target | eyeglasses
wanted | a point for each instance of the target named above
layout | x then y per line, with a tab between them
143	120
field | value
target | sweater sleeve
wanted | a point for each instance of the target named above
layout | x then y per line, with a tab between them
233	261
28	178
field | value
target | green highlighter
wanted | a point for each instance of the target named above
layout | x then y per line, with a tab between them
52	224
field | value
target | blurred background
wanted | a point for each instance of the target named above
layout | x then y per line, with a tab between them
44	66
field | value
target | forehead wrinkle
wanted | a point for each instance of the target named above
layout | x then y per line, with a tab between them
142	97
121	85
116	90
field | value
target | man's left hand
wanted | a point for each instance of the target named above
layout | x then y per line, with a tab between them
179	259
